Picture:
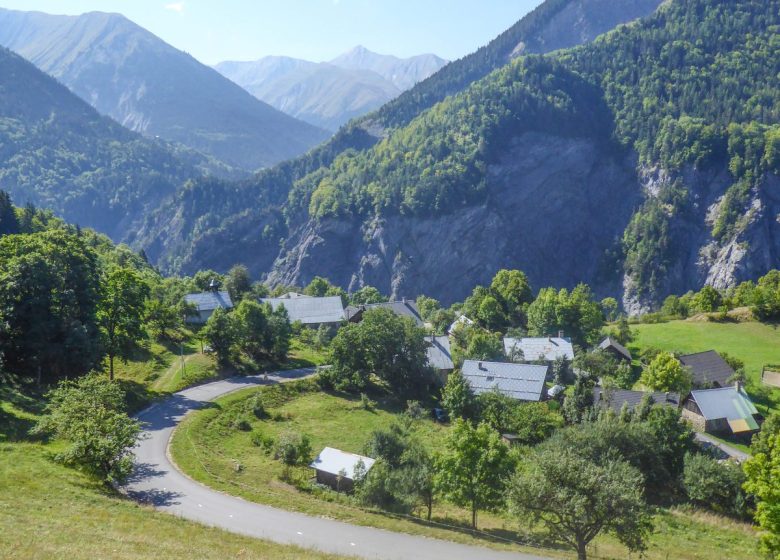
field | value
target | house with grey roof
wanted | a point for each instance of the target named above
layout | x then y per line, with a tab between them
724	410
538	349
339	469
461	321
615	398
524	382
310	311
403	308
614	348
708	369
204	304
440	357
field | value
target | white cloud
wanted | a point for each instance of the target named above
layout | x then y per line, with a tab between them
177	7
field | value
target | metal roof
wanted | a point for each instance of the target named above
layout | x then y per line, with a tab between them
310	310
461	320
520	381
726	402
335	461
708	368
610	342
617	397
439	354
537	349
404	308
209	301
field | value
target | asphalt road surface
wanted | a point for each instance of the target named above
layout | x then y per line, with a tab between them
157	482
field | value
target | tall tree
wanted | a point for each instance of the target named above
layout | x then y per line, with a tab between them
121	312
238	283
514	290
90	414
457	397
252	329
576	499
763	481
9	223
473	470
220	333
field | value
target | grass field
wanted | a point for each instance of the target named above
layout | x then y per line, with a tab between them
50	511
754	343
209	447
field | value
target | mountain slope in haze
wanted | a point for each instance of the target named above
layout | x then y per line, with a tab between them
330	94
145	84
403	73
646	163
58	153
319	93
191	232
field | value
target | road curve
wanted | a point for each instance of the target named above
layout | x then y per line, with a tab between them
156	481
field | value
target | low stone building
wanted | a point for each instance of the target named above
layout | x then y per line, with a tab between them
725	410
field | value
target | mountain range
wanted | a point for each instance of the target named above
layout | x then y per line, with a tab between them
131	75
328	94
641	158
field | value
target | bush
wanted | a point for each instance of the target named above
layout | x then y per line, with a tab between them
259	439
257	407
415	410
366	403
242	424
715	485
293	449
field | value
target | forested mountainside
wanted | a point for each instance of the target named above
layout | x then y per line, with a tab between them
215	223
328	94
57	152
680	108
131	75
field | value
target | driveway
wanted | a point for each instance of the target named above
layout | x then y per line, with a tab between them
157	482
732	452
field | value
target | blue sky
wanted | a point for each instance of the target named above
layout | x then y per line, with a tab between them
215	30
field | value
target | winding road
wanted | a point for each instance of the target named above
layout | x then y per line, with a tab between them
156	481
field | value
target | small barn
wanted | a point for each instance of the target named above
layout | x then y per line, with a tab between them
708	369
615	349
524	382
724	410
462	320
205	303
337	469
310	311
538	349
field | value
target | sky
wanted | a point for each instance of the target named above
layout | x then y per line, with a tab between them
217	30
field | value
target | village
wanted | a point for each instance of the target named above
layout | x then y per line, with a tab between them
713	399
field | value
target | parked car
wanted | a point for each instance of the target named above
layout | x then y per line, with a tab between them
440	415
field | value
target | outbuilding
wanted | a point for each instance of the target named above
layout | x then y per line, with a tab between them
614	348
310	311
708	369
338	469
546	349
725	410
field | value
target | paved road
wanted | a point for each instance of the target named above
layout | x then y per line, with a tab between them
156	481
732	452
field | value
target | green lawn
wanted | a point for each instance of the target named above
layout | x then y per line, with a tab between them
754	343
50	511
212	449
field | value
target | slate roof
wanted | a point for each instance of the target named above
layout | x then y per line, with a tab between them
310	310
334	461
524	382
537	349
439	354
610	342
730	403
708	368
619	396
404	308
209	301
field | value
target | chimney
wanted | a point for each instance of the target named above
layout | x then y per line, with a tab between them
560	334
666	396
213	285
738	385
480	365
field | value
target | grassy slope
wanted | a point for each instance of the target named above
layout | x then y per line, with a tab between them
208	448
754	343
50	511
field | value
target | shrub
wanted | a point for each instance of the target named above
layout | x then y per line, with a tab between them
259	439
414	410
715	485
366	403
293	448
257	407
242	424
